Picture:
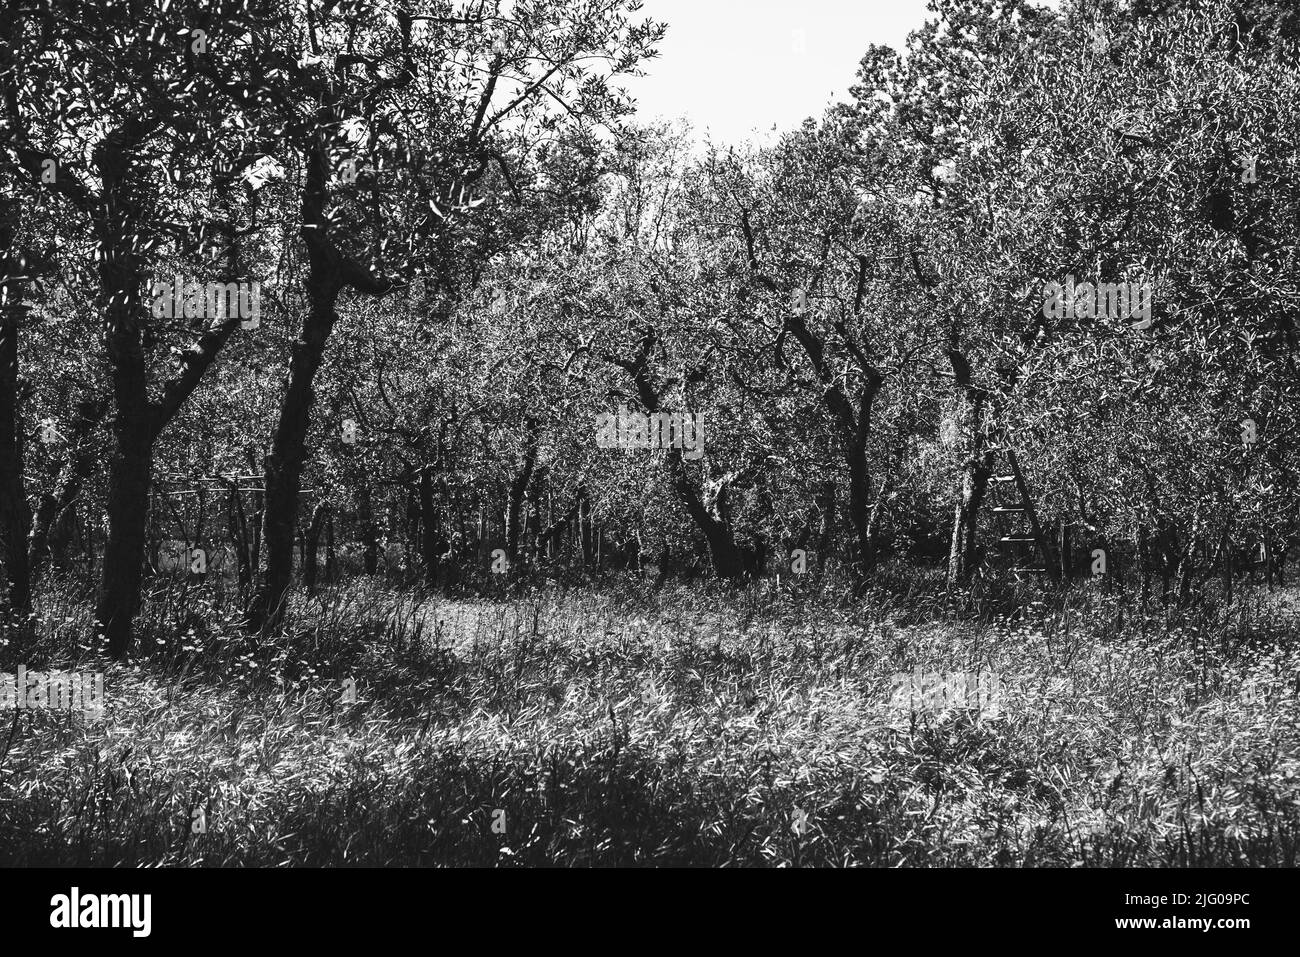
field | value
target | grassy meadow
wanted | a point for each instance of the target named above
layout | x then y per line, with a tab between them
625	725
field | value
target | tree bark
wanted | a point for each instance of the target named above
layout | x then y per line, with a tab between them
584	529
245	566
519	488
284	464
130	463
826	533
328	273
432	541
17	267
77	468
15	514
1144	559
724	554
121	220
311	546
369	529
860	503
977	467
1063	552
331	556
853	429
963	556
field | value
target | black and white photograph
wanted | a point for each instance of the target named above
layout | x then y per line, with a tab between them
440	437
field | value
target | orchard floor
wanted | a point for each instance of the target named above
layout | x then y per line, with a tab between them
624	726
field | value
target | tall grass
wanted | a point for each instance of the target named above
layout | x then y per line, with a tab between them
628	725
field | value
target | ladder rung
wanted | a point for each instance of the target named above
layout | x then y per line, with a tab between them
1004	478
1018	540
1009	510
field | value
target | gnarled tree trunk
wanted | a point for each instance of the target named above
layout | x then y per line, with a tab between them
329	272
724	554
976	469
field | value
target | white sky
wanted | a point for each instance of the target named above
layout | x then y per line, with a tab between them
736	67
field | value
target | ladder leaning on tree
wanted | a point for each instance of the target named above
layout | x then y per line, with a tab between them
1020	502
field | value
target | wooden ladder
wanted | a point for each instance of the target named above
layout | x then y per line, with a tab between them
1016	501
